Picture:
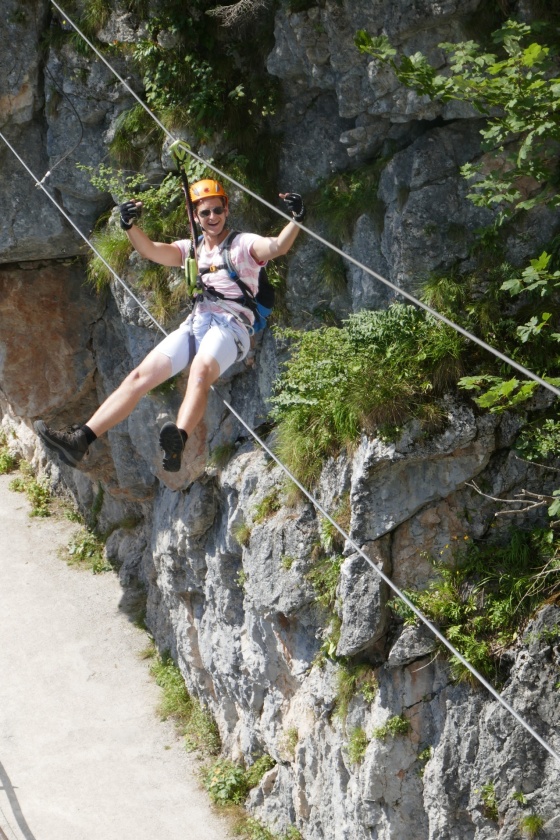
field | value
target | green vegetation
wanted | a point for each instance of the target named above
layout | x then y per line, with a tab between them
287	562
331	538
531	825
324	578
8	460
341	200
229	783
357	745
267	507
253	829
395	726
242	533
225	782
289	742
482	600
423	758
539	440
380	368
87	550
222	454
354	679
258	768
489	802
192	719
38	492
519	797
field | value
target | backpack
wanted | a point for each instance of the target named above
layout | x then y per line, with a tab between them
262	303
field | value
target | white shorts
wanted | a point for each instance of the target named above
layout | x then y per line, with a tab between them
216	335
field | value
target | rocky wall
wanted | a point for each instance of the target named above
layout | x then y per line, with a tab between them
228	587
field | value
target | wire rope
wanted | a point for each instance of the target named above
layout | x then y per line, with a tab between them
434	313
398	592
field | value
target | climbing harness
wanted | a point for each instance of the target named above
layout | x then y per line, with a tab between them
261	303
349	541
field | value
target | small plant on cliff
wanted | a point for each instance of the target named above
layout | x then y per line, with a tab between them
423	758
324	578
267	507
229	783
289	742
258	768
251	828
489	801
351	681
396	725
221	455
242	533
340	200
357	745
331	538
530	826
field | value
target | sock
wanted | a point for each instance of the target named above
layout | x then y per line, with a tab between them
184	435
90	436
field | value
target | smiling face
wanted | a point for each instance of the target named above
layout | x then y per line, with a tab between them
211	214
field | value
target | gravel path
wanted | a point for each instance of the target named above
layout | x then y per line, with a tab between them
83	755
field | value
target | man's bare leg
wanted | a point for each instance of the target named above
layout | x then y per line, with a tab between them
172	437
203	373
150	373
72	445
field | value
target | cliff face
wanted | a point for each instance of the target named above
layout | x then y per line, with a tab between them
240	615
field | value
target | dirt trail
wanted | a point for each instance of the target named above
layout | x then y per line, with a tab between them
83	755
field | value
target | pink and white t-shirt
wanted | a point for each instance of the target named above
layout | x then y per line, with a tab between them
244	263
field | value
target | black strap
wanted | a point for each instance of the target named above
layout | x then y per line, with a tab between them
247	298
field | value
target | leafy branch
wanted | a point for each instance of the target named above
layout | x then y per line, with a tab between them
517	90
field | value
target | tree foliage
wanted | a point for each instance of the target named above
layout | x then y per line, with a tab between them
516	88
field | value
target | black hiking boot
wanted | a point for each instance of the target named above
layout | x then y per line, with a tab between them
172	442
70	446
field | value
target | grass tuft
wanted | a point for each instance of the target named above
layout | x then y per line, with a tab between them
192	719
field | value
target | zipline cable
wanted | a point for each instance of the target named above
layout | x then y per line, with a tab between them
317	504
510	362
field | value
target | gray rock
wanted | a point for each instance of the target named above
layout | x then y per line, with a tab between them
363	597
414	643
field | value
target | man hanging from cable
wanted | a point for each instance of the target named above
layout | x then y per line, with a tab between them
214	336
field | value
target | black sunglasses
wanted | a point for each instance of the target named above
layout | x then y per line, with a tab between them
216	210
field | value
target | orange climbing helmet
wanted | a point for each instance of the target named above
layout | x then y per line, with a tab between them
207	188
